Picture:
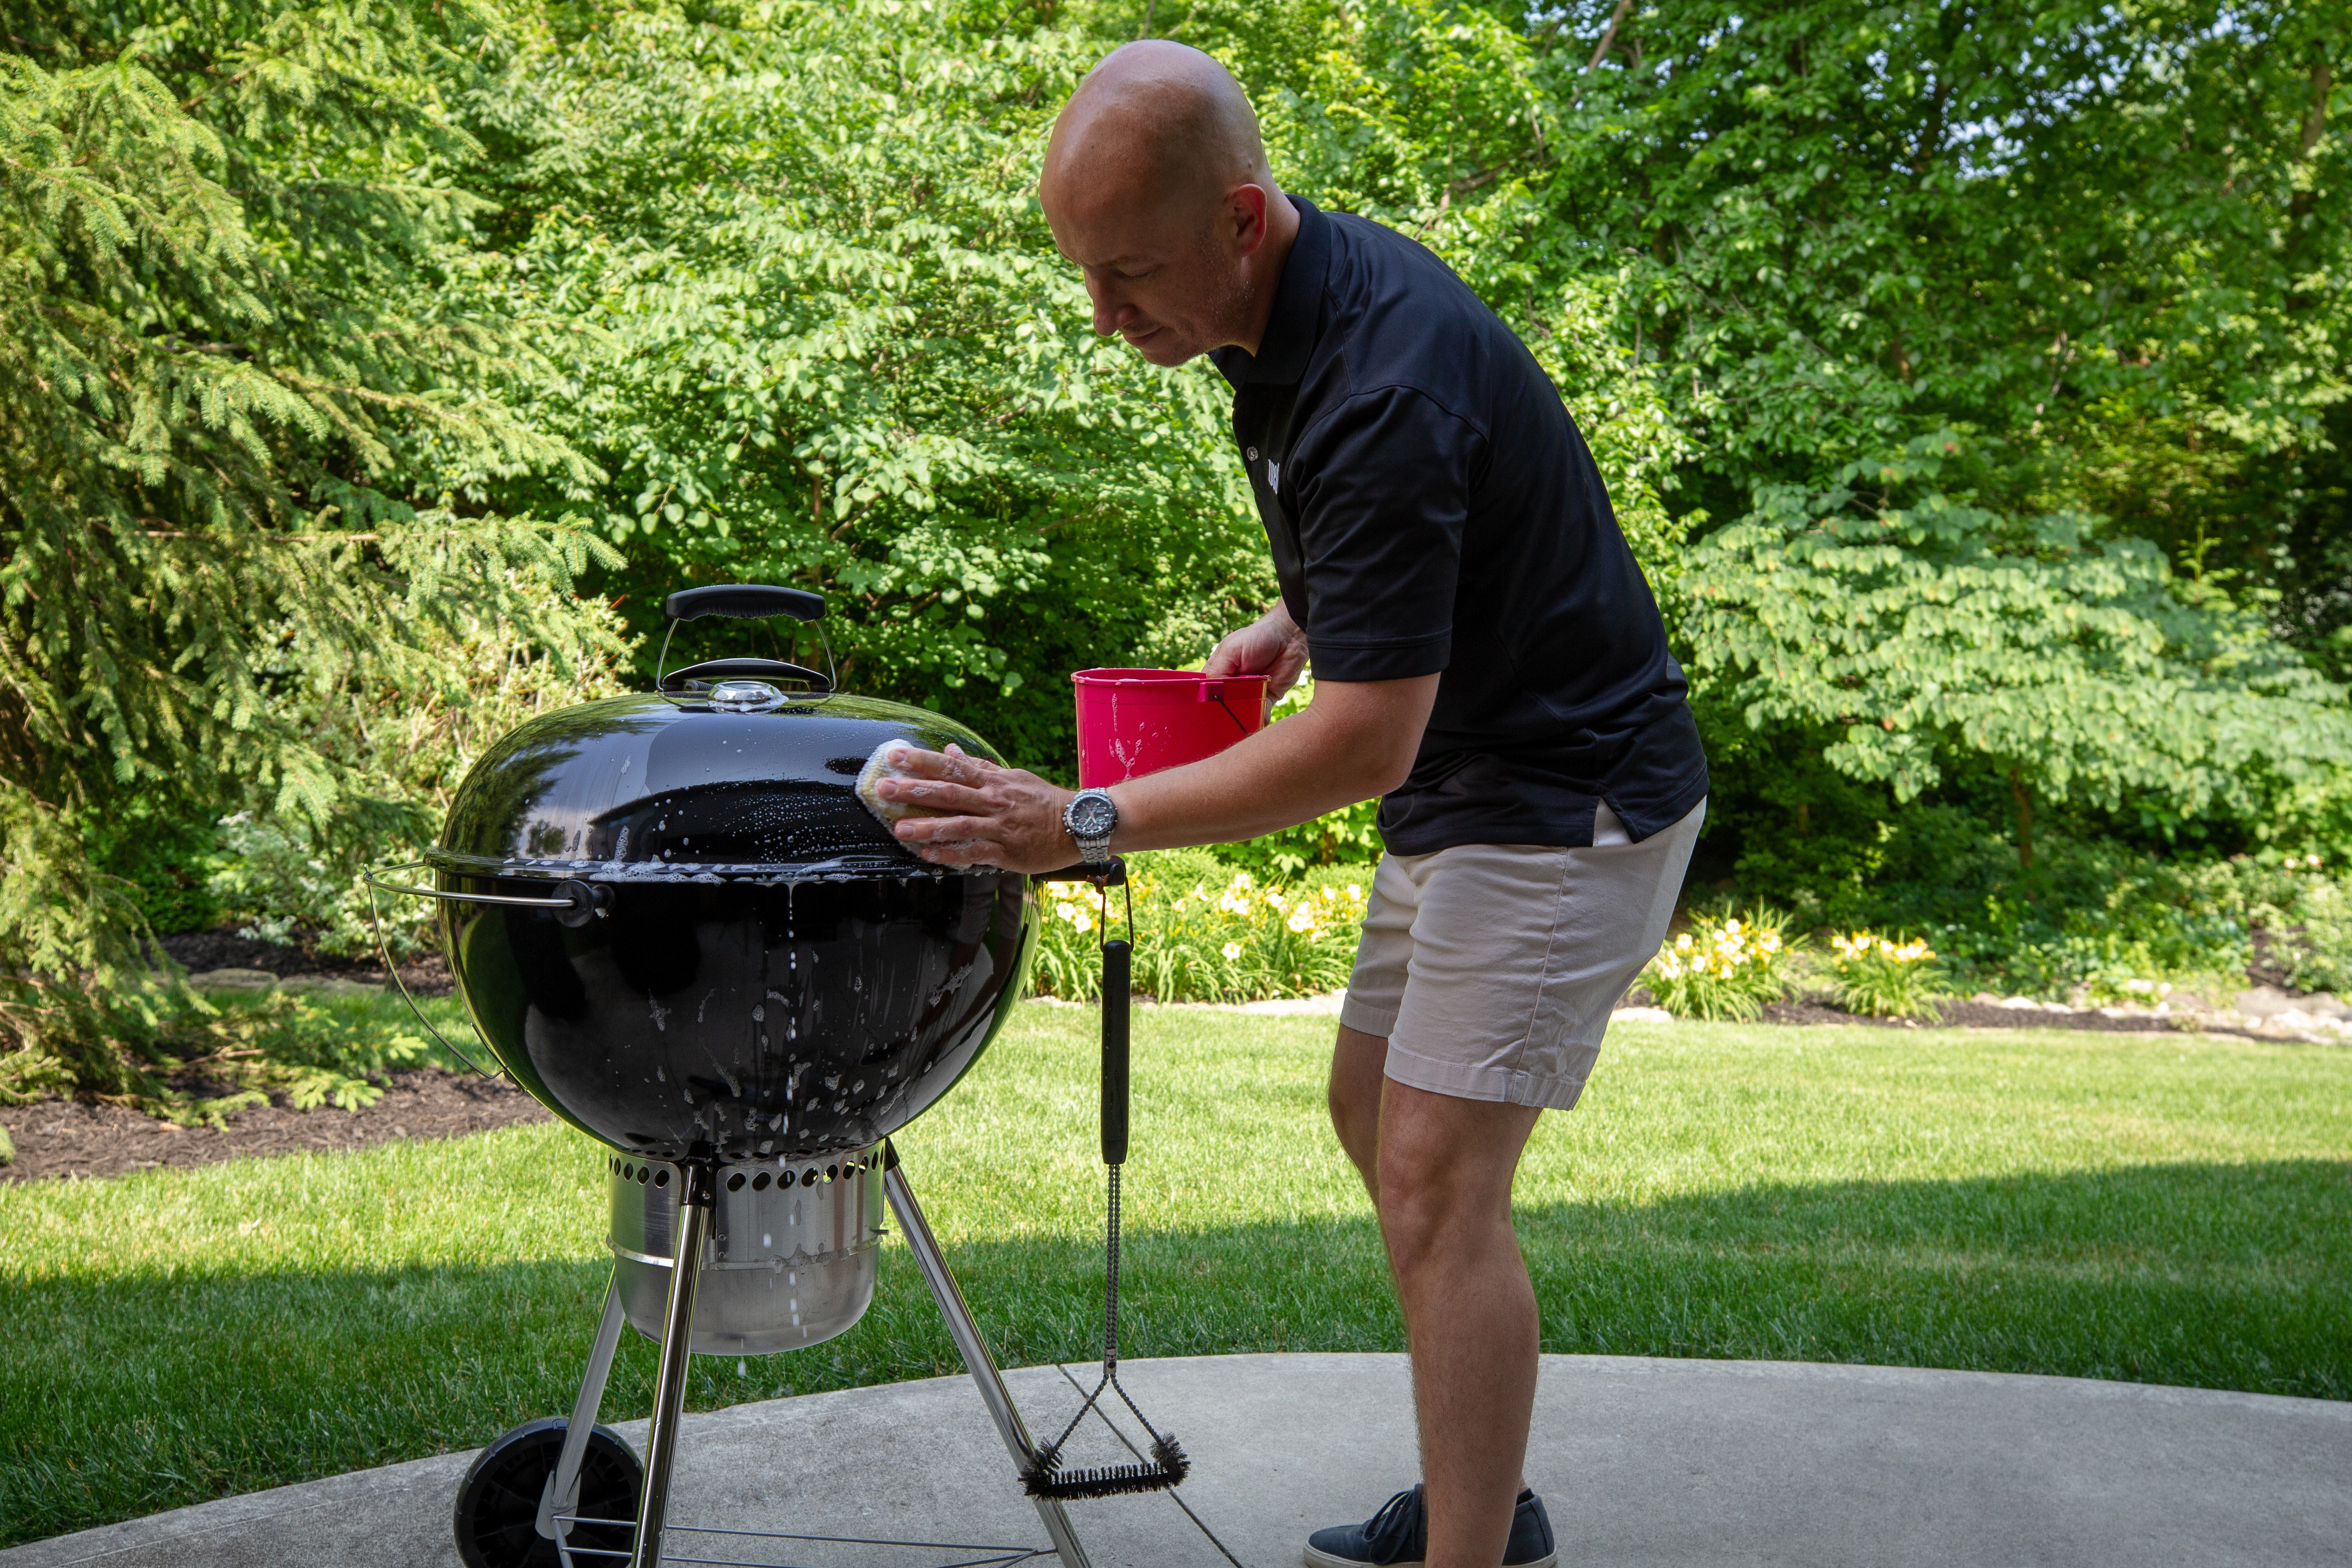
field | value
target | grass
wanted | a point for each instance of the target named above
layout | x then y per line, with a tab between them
2156	1209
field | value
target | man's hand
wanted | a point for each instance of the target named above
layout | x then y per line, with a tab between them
1000	816
1272	645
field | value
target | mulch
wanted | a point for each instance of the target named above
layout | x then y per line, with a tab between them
1956	1014
75	1140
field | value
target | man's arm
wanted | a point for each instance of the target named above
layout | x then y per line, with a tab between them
1355	741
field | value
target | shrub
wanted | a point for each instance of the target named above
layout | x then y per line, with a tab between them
2090	914
289	880
1883	978
1723	967
1204	933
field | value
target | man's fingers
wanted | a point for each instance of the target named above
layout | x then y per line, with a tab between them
929	829
925	764
954	765
935	796
966	852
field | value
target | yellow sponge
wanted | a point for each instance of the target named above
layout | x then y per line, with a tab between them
887	763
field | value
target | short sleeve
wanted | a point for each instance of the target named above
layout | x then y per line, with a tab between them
1381	496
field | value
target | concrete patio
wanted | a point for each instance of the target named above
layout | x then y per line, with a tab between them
1643	1464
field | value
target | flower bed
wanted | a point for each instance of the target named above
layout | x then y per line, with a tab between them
1206	932
1882	978
1723	967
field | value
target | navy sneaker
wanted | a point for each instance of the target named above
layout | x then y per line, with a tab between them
1397	1536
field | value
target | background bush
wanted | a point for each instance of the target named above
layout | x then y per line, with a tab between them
1971	384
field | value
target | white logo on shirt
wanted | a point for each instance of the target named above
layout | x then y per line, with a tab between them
1272	475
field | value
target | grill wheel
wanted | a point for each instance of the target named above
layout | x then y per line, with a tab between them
498	1508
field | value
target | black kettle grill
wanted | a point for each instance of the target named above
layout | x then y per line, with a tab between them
745	963
678	926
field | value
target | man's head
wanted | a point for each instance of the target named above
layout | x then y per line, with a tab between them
1156	185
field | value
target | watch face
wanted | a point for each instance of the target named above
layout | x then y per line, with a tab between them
1092	815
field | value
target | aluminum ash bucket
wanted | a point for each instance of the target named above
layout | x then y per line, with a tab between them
792	1257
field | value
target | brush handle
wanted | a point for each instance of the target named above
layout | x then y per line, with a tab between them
1117	957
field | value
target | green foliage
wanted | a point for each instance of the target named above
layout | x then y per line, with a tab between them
1725	967
1883	978
1348	837
827	340
169	852
1928	630
2081	225
2010	341
293	879
242	453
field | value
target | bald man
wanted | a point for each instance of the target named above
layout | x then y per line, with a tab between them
1488	660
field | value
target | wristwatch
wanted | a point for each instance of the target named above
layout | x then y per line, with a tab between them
1092	817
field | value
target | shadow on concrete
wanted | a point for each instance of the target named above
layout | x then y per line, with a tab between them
123	1399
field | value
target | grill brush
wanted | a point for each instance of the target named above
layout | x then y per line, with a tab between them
1044	1477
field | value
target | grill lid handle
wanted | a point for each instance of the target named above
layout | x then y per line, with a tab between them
744	601
712	670
741	602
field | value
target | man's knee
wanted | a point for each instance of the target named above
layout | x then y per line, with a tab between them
1445	1169
1425	1193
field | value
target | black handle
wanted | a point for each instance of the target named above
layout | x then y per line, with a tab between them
744	601
1116	959
1110	873
712	670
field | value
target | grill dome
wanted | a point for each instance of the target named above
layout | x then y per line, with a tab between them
769	972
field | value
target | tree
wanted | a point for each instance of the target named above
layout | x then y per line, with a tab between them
2100	233
1927	628
243	442
825	340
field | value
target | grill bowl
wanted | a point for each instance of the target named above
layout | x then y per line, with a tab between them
768	974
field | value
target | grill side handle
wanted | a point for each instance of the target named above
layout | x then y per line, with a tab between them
383	951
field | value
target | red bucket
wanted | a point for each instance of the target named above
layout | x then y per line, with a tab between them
1137	722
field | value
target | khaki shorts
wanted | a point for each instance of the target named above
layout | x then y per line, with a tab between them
1491	969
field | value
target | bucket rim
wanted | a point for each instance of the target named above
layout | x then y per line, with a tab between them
1117	676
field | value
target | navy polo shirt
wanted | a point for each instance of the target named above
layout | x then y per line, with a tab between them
1432	509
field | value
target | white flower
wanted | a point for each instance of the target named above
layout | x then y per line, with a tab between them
1233	950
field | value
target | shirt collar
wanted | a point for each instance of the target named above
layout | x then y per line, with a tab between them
1290	329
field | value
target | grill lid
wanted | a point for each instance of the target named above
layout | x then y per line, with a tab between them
712	783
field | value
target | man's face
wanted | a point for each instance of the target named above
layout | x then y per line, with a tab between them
1165	276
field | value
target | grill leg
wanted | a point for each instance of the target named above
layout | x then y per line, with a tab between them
975	1350
561	1493
695	1200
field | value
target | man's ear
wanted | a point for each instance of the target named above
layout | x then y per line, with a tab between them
1245	212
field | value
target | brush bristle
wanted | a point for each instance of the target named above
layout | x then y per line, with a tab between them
1169	1467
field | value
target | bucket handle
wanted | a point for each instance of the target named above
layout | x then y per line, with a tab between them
1214	691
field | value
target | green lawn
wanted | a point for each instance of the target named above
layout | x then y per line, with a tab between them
2169	1210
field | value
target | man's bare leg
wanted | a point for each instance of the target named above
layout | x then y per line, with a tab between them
1356	1075
1440	1171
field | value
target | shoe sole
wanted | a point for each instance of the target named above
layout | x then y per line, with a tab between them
1326	1560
